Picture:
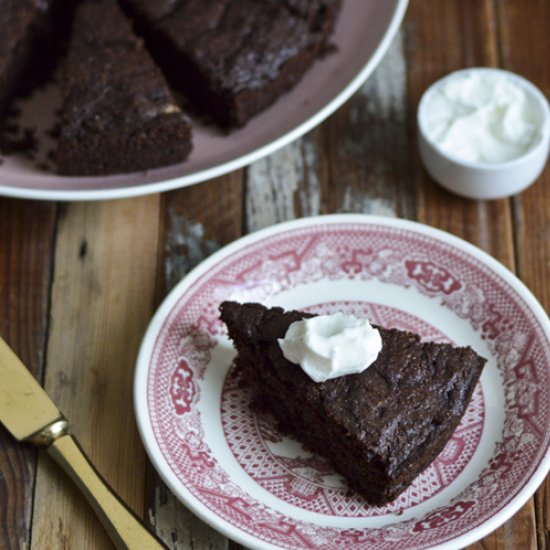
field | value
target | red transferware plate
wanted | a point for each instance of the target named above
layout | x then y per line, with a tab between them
238	473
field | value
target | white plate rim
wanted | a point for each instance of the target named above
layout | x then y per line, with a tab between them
148	342
234	164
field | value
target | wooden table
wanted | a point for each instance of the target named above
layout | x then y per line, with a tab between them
79	282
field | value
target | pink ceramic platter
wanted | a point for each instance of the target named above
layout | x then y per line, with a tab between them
363	33
238	473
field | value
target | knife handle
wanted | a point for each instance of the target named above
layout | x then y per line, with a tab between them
124	528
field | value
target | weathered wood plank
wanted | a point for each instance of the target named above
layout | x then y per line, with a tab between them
102	299
367	146
529	57
273	186
27	231
525	49
357	161
465	35
195	222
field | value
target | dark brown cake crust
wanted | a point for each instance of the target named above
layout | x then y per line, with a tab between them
380	428
233	59
119	114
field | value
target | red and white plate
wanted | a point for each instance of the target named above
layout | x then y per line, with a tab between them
364	30
239	474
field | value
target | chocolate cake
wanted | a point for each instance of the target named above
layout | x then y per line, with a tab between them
118	113
233	59
379	428
24	26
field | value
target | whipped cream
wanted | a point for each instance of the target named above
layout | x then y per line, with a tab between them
329	346
483	117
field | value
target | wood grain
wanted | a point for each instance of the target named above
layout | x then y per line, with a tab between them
195	222
102	299
367	146
27	231
525	49
271	186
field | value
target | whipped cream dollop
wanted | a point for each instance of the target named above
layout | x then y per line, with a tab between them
328	346
483	117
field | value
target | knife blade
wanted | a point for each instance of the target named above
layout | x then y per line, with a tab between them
30	415
25	408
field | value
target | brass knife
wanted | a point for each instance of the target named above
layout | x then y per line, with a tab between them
30	415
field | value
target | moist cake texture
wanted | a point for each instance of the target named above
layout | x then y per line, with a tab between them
233	59
118	114
379	428
24	26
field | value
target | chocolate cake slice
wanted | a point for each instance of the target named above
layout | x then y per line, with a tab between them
118	113
233	59
379	428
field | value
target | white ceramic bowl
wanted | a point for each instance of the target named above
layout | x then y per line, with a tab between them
480	180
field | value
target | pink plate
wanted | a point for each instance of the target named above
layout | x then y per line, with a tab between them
363	33
237	472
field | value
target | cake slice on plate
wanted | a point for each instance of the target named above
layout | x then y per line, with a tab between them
379	428
233	59
118	113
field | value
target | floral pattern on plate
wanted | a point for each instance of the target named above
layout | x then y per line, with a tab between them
424	276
